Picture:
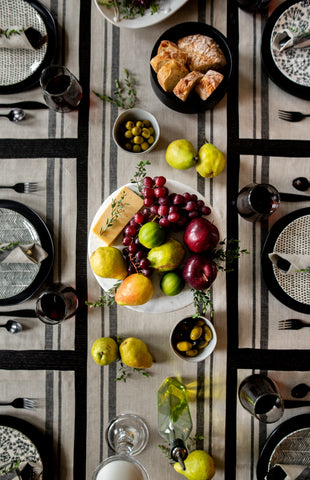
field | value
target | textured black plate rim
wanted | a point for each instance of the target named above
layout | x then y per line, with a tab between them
173	34
34	435
46	242
51	29
267	267
269	64
285	428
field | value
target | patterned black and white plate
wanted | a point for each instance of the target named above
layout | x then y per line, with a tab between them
18	282
289	69
21	442
20	68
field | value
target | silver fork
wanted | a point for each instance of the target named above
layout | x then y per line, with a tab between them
292	116
20	403
292	324
26	187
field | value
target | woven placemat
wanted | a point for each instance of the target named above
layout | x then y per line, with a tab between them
295	239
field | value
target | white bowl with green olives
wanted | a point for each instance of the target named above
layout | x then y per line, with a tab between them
193	339
136	131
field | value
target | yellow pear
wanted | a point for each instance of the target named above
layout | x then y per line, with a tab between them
180	154
108	262
199	465
134	353
136	289
211	161
104	350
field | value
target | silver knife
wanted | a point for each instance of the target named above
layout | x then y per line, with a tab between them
293	197
30	105
25	313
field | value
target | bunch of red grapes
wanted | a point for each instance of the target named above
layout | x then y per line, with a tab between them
173	211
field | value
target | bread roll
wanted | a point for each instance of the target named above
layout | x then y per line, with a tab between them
209	82
203	52
170	73
167	45
159	60
185	86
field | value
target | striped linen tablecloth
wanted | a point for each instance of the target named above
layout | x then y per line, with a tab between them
77	166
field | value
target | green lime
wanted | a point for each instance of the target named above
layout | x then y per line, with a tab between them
172	283
151	235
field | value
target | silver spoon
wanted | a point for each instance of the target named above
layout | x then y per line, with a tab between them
12	326
300	390
15	115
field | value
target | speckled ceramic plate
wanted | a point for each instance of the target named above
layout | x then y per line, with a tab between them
289	69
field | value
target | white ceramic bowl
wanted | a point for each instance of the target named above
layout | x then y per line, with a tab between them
204	352
135	114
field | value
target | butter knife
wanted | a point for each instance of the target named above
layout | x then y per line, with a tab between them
26	313
27	105
293	197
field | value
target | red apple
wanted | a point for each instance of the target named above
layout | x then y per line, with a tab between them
201	235
199	272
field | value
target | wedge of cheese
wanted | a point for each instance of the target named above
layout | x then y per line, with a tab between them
131	204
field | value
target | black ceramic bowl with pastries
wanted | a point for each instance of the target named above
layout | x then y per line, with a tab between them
194	103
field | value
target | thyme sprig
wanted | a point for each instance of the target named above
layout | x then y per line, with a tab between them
107	299
117	207
125	95
304	270
8	33
202	302
126	371
228	254
128	9
10	246
12	466
140	174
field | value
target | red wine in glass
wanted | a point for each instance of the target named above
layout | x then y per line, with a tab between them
58	302
61	90
53	306
257	201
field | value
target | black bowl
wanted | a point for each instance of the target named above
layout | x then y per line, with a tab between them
193	104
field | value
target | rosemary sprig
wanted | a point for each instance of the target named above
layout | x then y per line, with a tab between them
117	207
304	270
140	174
107	299
126	371
10	246
228	254
7	33
202	301
124	96
12	466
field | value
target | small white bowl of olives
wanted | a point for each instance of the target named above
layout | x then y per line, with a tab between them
193	339
136	131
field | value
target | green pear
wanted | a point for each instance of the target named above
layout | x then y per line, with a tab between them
104	350
108	262
199	465
135	354
181	154
211	161
167	256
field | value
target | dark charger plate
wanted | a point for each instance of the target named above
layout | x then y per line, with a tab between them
193	104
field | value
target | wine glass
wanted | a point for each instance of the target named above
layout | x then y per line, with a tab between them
127	435
257	201
56	303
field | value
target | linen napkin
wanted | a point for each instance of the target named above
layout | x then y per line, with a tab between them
290	263
18	37
29	253
288	39
288	472
25	471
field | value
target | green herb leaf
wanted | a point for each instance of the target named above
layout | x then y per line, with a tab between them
202	302
228	254
10	246
107	299
117	207
126	371
140	174
125	96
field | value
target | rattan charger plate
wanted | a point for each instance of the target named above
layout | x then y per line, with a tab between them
291	235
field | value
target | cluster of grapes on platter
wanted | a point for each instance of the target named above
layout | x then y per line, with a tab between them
172	211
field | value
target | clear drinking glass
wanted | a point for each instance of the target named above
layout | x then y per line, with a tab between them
127	436
56	303
256	201
253	5
261	397
62	91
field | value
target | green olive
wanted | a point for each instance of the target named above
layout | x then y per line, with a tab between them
196	333
136	131
147	123
151	129
200	322
145	133
139	124
138	140
184	346
129	125
136	148
150	140
144	146
127	146
128	134
208	333
191	353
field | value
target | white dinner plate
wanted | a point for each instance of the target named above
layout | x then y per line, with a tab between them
159	303
166	8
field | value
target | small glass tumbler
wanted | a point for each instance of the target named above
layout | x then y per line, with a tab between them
257	201
253	5
57	303
261	397
62	91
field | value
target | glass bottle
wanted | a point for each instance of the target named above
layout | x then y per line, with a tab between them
174	418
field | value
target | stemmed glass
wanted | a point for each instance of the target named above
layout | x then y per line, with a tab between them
127	435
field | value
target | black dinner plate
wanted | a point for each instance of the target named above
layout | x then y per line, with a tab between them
32	218
285	73
193	104
285	429
29	76
37	439
267	266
